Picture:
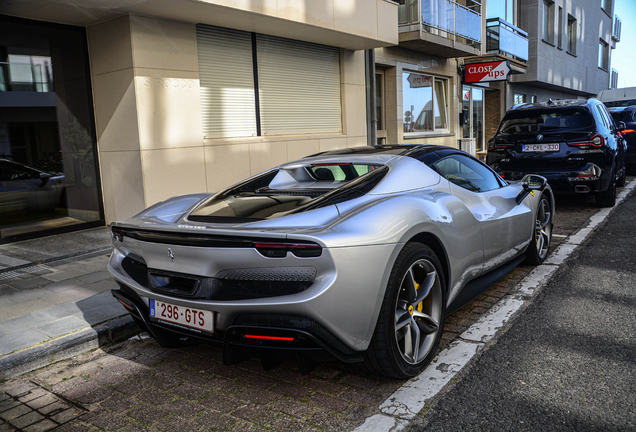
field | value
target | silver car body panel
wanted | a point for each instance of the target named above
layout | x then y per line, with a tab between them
360	239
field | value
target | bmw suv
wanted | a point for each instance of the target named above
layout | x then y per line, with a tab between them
575	144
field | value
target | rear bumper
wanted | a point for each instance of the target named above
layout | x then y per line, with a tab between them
590	179
250	332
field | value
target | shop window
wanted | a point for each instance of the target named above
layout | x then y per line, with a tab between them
257	85
519	98
571	40
49	179
425	103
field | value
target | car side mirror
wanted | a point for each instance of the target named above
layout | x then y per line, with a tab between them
531	182
44	178
622	125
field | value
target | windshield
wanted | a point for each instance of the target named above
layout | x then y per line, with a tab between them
542	120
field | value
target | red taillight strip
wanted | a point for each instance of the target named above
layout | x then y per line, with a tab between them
273	338
628	131
286	246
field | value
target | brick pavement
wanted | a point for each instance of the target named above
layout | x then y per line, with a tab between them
138	385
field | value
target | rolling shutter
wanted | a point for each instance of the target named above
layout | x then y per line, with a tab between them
226	75
299	86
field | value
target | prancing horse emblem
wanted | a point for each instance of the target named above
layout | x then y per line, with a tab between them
170	254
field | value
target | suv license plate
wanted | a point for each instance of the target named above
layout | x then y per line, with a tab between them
194	318
540	147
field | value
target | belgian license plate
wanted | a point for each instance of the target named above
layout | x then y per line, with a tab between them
188	317
540	147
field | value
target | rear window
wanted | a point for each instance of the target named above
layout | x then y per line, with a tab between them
545	120
339	172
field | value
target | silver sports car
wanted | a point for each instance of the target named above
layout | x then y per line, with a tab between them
358	253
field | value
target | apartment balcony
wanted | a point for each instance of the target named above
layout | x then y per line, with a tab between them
506	41
444	28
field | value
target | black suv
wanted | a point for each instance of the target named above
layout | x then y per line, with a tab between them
575	144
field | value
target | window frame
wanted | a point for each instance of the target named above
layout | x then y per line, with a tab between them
603	55
572	35
444	111
548	21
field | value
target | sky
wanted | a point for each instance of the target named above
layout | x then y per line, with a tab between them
623	58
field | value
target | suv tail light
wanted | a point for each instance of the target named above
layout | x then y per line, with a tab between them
596	141
499	145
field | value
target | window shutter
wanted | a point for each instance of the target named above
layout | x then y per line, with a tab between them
226	77
299	87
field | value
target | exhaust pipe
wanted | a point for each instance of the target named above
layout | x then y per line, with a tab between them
581	189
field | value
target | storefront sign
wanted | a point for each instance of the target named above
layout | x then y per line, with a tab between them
483	72
417	81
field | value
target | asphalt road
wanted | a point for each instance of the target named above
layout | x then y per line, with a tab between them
568	363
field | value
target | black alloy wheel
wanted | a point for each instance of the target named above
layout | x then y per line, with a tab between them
411	319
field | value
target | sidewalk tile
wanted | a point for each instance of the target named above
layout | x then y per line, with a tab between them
62	326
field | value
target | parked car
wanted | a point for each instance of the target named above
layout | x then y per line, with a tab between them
574	144
627	115
359	253
26	188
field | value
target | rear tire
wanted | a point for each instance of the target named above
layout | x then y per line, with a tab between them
542	236
411	319
622	178
607	198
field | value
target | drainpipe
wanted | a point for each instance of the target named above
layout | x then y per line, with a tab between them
372	121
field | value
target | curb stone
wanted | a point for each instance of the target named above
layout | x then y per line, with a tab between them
67	347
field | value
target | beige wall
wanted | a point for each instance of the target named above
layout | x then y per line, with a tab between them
148	117
395	60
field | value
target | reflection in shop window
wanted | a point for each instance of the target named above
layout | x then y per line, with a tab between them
424	103
49	178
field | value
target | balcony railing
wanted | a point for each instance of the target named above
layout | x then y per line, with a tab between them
504	39
446	18
25	77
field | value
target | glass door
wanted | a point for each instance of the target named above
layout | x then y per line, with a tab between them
472	121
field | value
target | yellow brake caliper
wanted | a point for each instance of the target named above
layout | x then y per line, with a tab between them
420	305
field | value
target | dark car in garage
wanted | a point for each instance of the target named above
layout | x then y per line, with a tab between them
574	144
627	115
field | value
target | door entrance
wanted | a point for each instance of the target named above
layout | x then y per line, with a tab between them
472	121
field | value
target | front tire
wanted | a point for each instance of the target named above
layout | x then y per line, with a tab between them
540	244
411	319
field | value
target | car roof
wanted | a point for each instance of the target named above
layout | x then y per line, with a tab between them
556	104
623	108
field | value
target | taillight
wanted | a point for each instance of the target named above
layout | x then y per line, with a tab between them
499	145
596	141
279	250
117	234
627	131
270	338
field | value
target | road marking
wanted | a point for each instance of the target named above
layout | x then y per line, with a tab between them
407	401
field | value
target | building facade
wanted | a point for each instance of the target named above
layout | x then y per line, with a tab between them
558	49
111	108
106	108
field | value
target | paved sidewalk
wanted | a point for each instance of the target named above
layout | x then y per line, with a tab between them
55	300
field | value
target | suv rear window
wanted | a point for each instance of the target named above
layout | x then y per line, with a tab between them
545	120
